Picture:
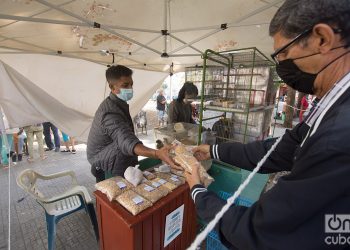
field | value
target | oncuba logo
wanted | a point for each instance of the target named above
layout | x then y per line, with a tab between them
337	225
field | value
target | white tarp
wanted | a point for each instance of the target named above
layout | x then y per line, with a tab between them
36	88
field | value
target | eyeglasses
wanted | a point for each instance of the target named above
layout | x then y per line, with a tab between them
274	56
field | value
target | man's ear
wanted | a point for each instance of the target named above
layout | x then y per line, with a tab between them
325	36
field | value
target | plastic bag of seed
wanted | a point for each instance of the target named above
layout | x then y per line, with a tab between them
133	202
178	172
165	183
148	175
172	178
149	192
153	183
187	160
113	187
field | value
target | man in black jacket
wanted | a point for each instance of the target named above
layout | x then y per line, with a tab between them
112	145
310	207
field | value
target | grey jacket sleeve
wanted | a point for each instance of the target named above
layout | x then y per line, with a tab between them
118	128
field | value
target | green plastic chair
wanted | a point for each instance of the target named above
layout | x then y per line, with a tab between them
61	205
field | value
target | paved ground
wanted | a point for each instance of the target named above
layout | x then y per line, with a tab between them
28	225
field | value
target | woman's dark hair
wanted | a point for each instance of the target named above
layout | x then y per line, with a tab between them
296	16
188	88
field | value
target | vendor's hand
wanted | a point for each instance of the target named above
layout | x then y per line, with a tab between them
193	178
202	152
163	154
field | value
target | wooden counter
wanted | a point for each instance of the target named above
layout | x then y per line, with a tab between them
119	229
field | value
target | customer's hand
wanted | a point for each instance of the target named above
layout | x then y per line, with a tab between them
202	152
163	154
193	178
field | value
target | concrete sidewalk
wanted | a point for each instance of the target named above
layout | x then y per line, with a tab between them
28	225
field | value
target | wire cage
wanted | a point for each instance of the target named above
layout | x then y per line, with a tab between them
237	94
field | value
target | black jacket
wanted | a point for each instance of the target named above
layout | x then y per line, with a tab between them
292	214
111	140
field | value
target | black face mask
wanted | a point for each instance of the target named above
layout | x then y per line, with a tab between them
298	79
295	78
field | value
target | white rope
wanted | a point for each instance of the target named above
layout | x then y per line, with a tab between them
295	108
231	200
9	200
5	144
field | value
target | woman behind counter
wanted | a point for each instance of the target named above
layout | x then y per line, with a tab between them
180	110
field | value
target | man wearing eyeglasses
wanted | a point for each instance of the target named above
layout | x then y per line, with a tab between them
310	207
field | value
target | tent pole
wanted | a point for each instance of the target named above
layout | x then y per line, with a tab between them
217	26
69	23
93	24
140	48
39	13
181	41
184	55
29	44
257	11
265	7
41	20
165	27
194	41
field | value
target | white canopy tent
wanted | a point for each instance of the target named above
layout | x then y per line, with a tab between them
36	88
150	34
53	53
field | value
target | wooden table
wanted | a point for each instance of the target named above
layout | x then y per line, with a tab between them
119	229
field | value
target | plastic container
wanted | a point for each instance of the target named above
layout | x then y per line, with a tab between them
188	137
213	242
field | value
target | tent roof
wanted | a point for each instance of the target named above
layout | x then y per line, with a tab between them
131	29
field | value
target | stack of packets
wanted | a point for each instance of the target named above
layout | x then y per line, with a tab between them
113	187
136	199
185	158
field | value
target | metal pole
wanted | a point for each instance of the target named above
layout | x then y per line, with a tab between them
181	41
140	48
38	13
249	96
205	57
41	20
231	25
184	55
165	26
103	27
195	41
70	23
257	11
33	45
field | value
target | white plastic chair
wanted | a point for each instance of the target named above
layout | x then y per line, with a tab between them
58	206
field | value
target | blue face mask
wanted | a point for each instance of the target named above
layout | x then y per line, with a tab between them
125	94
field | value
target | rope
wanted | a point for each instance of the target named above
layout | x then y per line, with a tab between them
231	200
295	107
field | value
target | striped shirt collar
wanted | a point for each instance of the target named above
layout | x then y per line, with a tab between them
330	95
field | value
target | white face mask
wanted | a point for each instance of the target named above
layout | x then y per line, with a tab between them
126	94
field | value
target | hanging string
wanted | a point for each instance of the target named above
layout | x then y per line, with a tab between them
231	200
6	144
295	108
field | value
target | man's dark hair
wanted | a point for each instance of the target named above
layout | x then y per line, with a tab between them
296	16
188	88
115	72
